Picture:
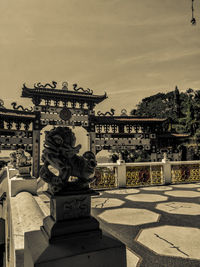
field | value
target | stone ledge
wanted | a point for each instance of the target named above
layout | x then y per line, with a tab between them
12	172
20	184
26	215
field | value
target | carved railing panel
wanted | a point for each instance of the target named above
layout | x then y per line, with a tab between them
105	178
138	175
144	175
156	173
185	173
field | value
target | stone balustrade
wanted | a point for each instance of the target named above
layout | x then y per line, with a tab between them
20	212
121	174
22	207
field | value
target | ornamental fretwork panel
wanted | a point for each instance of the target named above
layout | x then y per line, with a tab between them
12	140
185	173
50	115
143	175
156	173
105	178
16	128
116	142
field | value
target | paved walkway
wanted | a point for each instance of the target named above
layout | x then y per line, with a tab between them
160	225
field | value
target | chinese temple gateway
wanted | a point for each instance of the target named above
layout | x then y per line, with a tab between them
21	127
123	132
60	107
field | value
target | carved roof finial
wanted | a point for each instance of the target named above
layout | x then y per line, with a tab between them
123	112
65	86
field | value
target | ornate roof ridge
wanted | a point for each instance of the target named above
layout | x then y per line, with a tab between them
133	118
17	113
62	91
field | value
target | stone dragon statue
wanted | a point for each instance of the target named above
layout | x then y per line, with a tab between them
62	162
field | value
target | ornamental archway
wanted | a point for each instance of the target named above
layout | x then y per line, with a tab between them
59	107
21	127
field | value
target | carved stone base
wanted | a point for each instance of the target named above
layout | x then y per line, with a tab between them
78	251
70	236
73	205
25	171
70	215
63	230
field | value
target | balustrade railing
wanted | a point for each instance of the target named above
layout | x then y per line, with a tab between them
185	172
106	177
121	174
144	175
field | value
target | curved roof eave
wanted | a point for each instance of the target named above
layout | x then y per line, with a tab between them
59	93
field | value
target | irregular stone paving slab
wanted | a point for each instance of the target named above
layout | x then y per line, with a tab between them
183	193
186	185
106	203
172	241
146	198
123	191
128	216
132	259
158	188
179	208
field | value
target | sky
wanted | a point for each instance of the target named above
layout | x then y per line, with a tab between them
130	49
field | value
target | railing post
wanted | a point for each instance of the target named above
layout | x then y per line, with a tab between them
167	175
121	173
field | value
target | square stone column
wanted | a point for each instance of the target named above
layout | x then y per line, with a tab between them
20	180
70	215
70	236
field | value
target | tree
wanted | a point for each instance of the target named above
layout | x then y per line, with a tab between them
182	108
160	105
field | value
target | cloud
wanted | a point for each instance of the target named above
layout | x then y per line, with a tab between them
128	48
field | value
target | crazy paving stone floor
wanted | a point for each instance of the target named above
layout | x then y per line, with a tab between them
160	225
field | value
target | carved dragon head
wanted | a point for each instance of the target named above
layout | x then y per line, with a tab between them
62	140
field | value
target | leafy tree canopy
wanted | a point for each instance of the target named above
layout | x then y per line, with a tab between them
182	107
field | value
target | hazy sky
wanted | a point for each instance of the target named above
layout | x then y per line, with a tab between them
128	48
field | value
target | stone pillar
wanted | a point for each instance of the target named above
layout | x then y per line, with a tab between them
121	173
167	170
20	180
70	236
92	142
36	153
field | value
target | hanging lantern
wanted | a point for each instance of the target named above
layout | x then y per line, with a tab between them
193	20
